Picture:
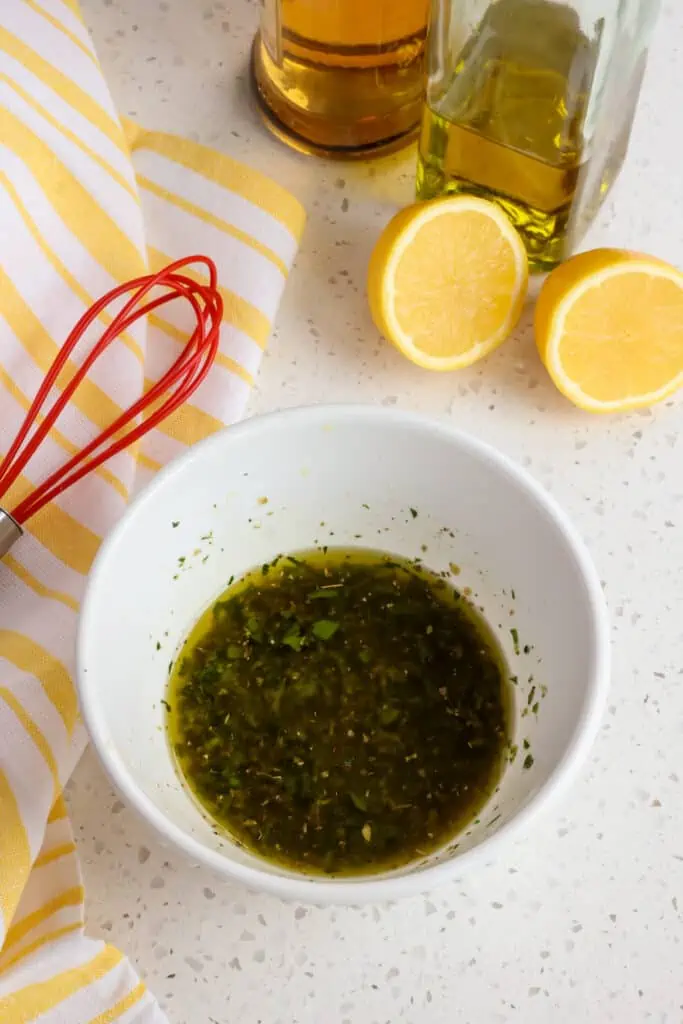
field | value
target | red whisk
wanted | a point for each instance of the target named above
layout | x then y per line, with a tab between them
170	391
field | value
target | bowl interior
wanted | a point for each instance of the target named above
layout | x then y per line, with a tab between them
338	477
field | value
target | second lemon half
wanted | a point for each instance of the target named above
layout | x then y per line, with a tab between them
447	281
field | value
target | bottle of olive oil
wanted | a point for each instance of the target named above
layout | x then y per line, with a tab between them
530	103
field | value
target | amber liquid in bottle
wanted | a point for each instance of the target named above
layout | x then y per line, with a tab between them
342	77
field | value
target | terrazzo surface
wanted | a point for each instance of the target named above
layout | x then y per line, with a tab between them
582	920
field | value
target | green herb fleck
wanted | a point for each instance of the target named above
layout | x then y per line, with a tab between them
323	629
515	639
359	801
528	761
389	715
293	639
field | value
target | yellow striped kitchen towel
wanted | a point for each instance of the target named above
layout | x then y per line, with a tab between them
87	202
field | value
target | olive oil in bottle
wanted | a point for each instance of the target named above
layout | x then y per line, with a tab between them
531	106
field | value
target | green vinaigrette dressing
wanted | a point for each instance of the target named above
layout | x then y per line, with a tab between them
340	712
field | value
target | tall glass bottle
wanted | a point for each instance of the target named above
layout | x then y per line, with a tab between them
530	103
341	77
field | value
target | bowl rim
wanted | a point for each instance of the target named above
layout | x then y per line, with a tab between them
367	888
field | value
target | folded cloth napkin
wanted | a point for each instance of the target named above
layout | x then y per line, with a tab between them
87	202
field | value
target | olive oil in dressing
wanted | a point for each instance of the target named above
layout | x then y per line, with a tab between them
340	711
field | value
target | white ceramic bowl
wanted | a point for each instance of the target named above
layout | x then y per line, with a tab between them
359	471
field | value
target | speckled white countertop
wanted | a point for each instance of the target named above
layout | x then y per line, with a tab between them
582	921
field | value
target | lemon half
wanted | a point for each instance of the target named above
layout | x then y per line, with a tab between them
447	281
609	329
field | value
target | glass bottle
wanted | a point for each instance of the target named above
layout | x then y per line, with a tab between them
341	77
530	103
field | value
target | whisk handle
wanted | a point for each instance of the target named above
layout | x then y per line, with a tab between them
9	531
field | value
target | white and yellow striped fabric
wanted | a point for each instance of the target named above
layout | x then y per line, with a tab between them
87	202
